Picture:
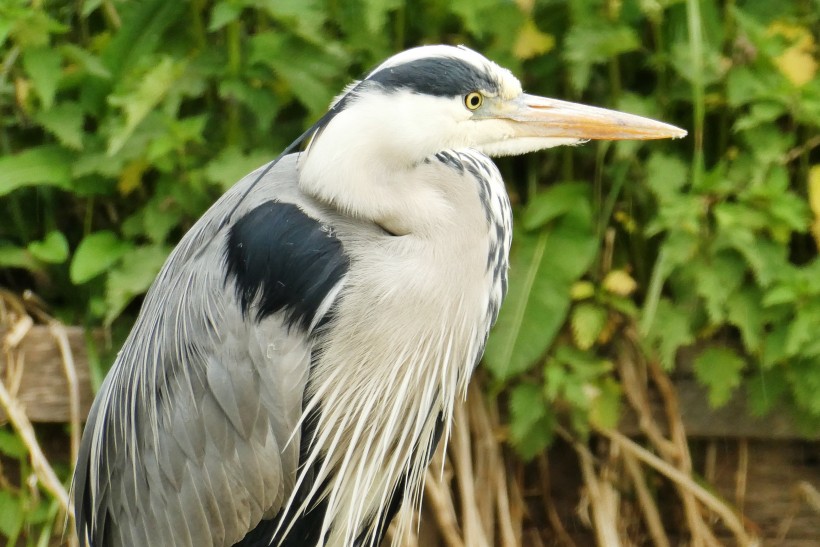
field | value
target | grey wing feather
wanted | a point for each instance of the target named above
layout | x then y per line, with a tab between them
191	439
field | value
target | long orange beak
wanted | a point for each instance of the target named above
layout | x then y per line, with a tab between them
542	117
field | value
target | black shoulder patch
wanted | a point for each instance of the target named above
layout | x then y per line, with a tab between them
280	259
439	76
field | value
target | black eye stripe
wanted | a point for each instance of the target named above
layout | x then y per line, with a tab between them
439	76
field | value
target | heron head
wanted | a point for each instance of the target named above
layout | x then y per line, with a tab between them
434	98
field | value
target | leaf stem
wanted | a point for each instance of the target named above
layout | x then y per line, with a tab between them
519	312
698	95
197	9
234	67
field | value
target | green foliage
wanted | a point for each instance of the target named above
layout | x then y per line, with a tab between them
538	300
95	254
27	516
719	369
531	420
717	237
121	122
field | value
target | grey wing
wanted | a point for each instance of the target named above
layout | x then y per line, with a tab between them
193	438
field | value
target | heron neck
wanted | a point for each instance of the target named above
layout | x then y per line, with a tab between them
403	199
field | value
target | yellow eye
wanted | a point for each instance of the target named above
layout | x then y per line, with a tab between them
473	100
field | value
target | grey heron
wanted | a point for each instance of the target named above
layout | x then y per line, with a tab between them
300	353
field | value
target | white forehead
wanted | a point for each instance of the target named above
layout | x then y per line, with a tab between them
510	86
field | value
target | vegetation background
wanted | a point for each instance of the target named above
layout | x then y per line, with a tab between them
122	121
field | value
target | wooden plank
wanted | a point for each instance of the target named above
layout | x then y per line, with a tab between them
771	499
732	420
42	387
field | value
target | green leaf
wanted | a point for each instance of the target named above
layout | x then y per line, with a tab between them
804	327
155	220
260	100
587	321
587	44
98	163
311	71
666	175
670	330
744	86
11	445
232	164
765	389
138	103
553	202
731	216
180	134
12	514
745	313
43	67
779	294
472	13
804	378
605	408
531	421
89	6
132	277
86	61
16	257
34	28
719	369
306	17
774	345
222	14
768	143
585	366
64	121
95	254
543	268
759	113
6	26
147	22
46	165
531	41
717	278
765	257
792	212
52	249
683	216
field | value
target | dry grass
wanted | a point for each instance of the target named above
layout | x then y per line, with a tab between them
17	314
474	494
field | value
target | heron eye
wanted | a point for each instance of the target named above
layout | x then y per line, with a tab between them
473	100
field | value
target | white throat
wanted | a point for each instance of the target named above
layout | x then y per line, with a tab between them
367	168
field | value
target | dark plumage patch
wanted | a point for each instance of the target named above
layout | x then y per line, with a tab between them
451	160
439	76
280	259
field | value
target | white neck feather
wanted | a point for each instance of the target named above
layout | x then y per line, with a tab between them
438	282
366	168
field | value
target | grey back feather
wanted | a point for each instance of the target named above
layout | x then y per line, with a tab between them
189	442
